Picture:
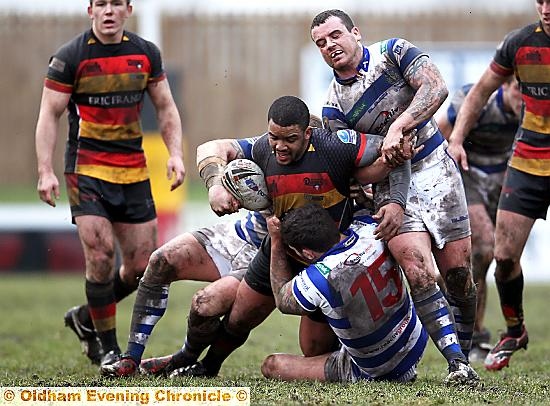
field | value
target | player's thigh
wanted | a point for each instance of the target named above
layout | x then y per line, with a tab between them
316	337
295	367
181	258
216	298
250	308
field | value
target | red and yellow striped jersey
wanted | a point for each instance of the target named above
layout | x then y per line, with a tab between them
526	53
107	83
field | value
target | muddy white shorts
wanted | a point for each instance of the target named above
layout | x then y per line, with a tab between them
230	253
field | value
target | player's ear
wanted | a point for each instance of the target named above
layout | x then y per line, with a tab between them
307	133
309	255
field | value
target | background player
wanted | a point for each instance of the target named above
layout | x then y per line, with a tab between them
525	197
100	77
484	155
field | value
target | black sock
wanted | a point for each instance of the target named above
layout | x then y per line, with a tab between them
221	348
121	288
102	305
511	297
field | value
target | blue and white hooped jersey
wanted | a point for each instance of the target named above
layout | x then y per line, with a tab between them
252	228
372	100
361	292
489	142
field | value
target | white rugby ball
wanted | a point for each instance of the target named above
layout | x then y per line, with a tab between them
245	180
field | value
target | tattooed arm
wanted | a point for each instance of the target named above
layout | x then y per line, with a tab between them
430	92
280	275
212	157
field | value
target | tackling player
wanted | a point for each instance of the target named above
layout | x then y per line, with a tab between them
390	88
354	281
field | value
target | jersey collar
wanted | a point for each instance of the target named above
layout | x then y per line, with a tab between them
362	68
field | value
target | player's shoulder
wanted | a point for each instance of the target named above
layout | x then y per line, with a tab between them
140	42
73	47
520	35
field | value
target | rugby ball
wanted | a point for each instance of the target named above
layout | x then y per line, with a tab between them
245	180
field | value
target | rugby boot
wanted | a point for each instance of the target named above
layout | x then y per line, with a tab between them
89	342
160	366
196	370
499	356
124	366
461	373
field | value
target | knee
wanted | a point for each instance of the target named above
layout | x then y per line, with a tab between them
482	255
459	282
418	269
159	269
270	366
200	304
505	268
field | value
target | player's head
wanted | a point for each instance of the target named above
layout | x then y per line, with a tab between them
511	96
288	129
108	18
543	10
315	122
338	40
309	231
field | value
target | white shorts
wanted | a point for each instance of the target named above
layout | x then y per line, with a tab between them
230	253
339	368
436	202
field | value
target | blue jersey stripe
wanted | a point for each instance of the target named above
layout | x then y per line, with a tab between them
365	219
374	361
342	324
333	113
332	296
246	145
389	48
410	360
300	298
429	146
410	56
366	100
382	332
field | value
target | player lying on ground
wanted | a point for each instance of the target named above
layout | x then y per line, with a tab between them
358	286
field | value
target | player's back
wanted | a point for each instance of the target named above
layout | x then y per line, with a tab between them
364	299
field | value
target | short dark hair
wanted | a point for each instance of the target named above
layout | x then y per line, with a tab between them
325	15
311	227
289	110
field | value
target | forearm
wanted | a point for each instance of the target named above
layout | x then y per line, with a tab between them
281	280
431	92
399	179
373	173
213	156
45	143
171	130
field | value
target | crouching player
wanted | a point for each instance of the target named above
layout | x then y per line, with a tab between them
355	282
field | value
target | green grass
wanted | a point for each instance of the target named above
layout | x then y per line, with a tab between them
37	350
